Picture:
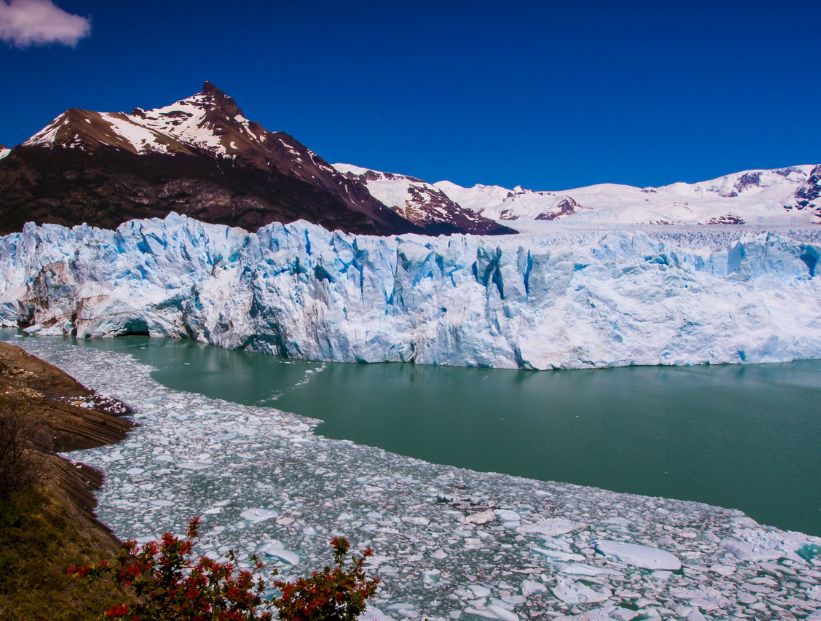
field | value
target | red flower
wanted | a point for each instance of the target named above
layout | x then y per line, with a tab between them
120	610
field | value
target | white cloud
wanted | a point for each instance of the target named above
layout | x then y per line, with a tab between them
37	22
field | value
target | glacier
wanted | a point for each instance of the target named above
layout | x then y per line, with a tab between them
568	298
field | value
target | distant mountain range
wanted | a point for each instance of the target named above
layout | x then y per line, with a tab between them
783	196
202	157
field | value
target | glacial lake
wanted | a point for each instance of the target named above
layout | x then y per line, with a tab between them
746	437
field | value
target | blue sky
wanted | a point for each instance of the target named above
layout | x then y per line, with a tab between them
547	95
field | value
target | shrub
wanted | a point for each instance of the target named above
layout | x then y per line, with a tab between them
170	586
336	593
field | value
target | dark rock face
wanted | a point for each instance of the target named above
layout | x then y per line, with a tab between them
748	180
808	196
199	157
508	214
726	219
564	207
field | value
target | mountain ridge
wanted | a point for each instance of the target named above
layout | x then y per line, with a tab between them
199	156
202	157
788	195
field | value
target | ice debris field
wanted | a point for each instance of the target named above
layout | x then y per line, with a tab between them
568	298
450	543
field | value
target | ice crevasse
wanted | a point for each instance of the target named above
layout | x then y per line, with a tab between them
573	298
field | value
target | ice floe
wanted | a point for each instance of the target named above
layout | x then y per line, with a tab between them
451	544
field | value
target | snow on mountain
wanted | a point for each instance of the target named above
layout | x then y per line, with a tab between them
4	151
568	298
759	197
193	122
421	203
200	156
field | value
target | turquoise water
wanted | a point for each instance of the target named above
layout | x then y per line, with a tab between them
747	437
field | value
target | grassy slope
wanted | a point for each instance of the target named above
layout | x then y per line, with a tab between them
47	527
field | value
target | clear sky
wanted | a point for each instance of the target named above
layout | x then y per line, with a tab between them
549	95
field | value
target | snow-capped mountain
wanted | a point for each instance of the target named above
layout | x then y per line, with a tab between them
200	156
783	196
422	203
502	204
568	298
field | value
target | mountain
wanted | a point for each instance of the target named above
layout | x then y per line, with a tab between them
783	196
422	203
199	156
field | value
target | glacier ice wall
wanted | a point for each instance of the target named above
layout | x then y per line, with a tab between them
568	299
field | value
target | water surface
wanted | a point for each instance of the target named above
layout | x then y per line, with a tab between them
747	437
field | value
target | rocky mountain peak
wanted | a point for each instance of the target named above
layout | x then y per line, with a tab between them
199	156
213	98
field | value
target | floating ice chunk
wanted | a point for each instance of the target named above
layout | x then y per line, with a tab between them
258	515
751	552
529	587
479	590
550	527
705	598
431	577
639	555
190	465
572	592
695	615
580	569
503	613
372	613
608	613
557	555
483	517
507	515
275	549
492	612
722	570
418	520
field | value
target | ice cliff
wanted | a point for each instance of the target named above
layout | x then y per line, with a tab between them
571	298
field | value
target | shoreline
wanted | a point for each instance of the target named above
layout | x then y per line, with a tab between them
51	522
265	482
22	333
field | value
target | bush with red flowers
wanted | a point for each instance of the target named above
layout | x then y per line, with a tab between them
170	586
336	593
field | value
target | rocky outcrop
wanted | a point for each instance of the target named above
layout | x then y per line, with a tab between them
808	196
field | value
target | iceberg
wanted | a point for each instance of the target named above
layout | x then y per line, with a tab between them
570	298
